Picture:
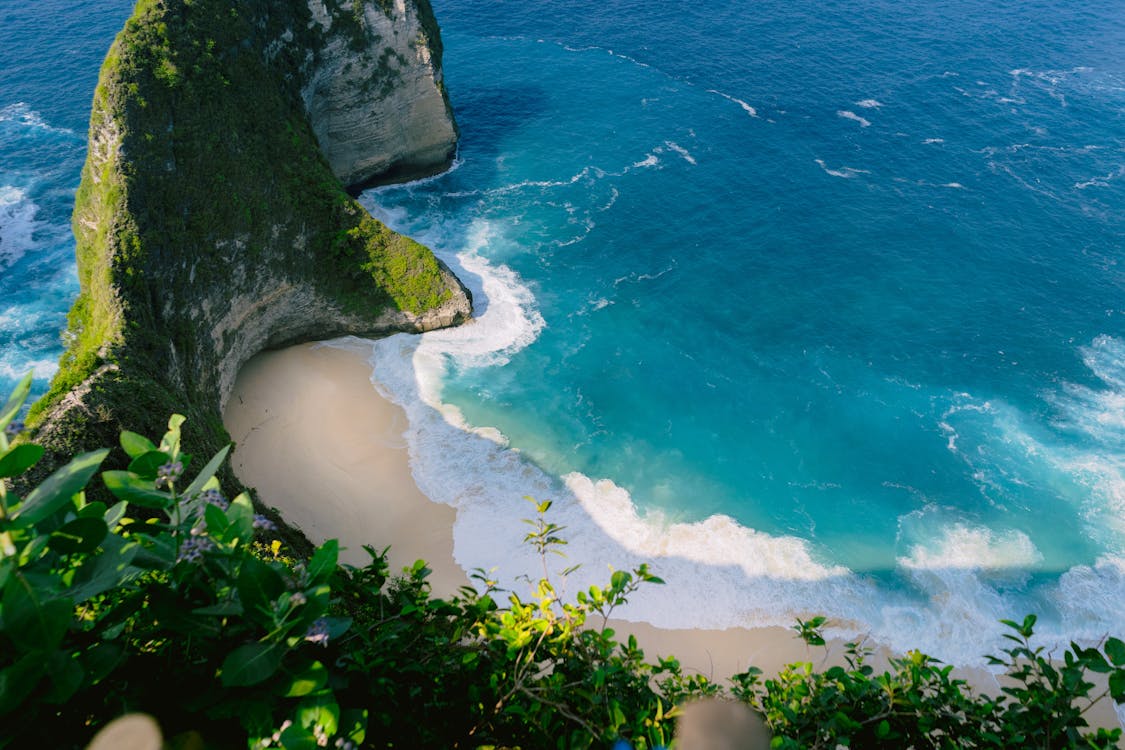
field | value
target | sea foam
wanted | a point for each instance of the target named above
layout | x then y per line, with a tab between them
17	224
845	172
745	106
849	115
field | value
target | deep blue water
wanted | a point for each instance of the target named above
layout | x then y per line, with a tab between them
847	273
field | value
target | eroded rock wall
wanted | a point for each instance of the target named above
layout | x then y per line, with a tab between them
382	113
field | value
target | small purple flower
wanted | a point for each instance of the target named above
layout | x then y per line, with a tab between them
167	474
318	632
192	549
14	428
214	497
297	599
261	523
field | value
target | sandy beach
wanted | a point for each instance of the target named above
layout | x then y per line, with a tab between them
322	446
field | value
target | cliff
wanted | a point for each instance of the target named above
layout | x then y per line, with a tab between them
212	219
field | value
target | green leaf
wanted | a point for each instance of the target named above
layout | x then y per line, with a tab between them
337	626
208	471
323	561
145	465
57	489
298	738
134	490
321	710
19	459
353	724
33	550
251	664
1117	686
92	510
31	623
619	579
1115	650
1095	662
217	523
259	586
15	401
100	661
170	444
136	445
66	675
241	517
18	680
79	535
114	515
309	680
104	571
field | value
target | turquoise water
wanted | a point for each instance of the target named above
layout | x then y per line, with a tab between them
846	276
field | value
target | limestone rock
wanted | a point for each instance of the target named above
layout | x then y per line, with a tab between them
382	114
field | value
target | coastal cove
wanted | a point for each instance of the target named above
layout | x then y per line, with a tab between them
816	313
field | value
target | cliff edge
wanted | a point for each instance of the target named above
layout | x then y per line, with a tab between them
212	220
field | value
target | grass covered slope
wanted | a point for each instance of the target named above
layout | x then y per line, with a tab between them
210	226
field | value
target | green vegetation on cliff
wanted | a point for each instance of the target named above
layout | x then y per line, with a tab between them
205	205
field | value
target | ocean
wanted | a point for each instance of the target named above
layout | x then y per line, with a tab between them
817	307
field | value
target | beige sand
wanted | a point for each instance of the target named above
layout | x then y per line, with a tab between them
320	445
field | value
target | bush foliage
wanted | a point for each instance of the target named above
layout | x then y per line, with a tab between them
180	603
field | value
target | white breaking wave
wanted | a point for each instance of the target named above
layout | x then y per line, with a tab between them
17	224
929	141
1097	413
44	369
869	104
962	547
745	107
849	115
845	172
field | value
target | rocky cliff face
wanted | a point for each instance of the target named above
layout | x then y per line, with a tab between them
382	113
210	223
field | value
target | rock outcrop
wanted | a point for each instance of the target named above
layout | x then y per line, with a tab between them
211	223
384	116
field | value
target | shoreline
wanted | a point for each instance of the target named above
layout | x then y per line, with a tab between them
324	448
320	444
